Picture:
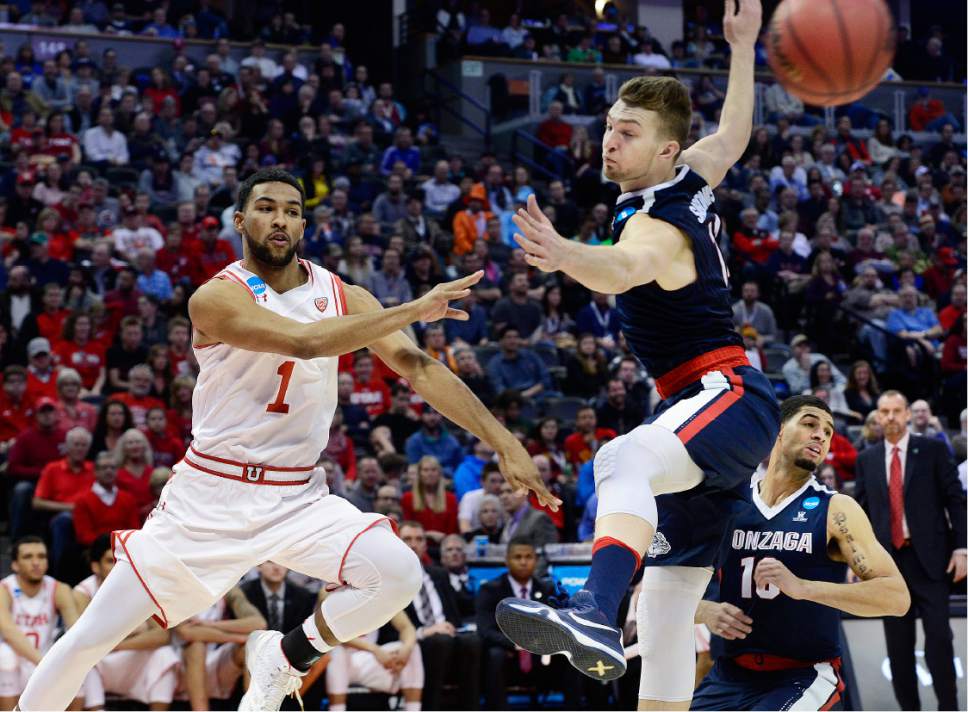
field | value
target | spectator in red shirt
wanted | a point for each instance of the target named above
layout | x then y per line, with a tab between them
14	405
553	131
430	503
929	114
581	445
72	412
122	301
137	397
846	141
752	244
78	351
180	261
104	507
168	448
61	484
181	357
31	451
135	463
956	309
41	372
216	254
180	410
369	391
939	277
49	321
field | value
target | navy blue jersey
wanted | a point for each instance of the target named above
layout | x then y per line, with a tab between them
795	533
665	329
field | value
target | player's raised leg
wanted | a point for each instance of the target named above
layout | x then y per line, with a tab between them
120	606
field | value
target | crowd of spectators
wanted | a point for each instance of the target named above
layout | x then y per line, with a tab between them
847	257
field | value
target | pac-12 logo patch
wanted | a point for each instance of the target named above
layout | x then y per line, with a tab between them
811	502
321	303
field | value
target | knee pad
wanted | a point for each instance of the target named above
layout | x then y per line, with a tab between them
664	618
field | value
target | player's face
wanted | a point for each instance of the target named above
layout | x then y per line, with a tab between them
806	438
31	563
272	224
630	142
102	567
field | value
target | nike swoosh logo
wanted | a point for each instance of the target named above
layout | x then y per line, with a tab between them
590	624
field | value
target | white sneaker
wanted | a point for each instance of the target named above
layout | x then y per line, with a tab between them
272	677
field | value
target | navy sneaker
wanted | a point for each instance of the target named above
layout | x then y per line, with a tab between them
579	630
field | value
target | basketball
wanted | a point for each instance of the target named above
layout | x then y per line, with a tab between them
830	52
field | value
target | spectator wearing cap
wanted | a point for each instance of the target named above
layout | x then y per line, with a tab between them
215	254
103	145
103	507
41	372
433	439
15	406
61	483
72	412
470	224
32	449
796	371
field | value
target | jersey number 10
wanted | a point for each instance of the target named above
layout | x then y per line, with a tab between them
746	584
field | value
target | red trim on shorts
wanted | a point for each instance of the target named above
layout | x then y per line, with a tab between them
270	468
714	409
673	381
116	538
765	662
240	478
604	541
368	527
841	686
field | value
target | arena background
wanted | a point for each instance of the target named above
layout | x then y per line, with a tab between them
474	95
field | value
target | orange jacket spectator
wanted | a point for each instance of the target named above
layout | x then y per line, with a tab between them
471	223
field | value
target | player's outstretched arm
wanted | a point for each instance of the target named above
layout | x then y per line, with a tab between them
12	635
713	156
881	590
66	604
646	250
438	385
224	312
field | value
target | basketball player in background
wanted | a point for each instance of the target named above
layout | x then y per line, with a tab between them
783	563
143	666
30	602
267	333
718	418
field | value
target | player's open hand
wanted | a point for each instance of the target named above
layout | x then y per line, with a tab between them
725	620
521	473
770	572
544	248
435	304
741	21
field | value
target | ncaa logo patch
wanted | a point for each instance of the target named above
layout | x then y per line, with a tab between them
624	215
321	303
257	286
811	502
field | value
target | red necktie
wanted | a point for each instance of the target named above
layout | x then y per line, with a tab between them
524	657
896	493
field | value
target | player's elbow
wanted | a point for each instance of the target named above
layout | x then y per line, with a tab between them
900	597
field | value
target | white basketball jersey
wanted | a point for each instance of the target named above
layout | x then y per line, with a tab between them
88	586
267	408
36	616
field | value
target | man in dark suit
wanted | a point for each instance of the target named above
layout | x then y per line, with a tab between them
453	558
447	652
911	492
527	523
291	604
501	659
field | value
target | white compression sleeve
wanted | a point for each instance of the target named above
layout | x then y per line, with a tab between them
120	606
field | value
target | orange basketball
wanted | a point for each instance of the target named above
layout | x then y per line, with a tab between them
830	52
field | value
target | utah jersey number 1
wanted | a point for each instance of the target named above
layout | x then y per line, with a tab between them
279	405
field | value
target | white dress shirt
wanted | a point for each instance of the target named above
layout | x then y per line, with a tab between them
902	446
516	588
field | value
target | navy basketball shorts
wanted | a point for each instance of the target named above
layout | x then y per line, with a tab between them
728	421
731	687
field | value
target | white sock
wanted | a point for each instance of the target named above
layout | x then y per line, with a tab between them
337	708
409	706
313	636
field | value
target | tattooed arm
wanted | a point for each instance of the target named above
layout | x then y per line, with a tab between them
881	590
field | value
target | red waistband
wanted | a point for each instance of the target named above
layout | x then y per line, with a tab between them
764	662
250	472
692	370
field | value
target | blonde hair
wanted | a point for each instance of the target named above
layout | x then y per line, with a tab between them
435	501
132	434
666	96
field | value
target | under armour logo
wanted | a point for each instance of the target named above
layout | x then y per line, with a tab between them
254	473
600	668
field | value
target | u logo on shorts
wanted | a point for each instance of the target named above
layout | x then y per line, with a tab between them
254	473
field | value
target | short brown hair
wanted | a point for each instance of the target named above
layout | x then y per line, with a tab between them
668	97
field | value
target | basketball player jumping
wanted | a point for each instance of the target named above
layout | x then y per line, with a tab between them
267	334
782	566
718	418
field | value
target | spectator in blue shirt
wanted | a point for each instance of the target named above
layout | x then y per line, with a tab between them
433	439
518	369
598	318
909	321
467	476
473	331
152	281
401	150
159	26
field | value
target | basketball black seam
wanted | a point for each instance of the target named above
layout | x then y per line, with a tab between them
803	51
844	42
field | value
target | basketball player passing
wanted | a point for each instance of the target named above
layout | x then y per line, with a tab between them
267	333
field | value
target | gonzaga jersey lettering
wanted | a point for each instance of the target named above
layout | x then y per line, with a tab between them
264	407
794	532
667	328
35	616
